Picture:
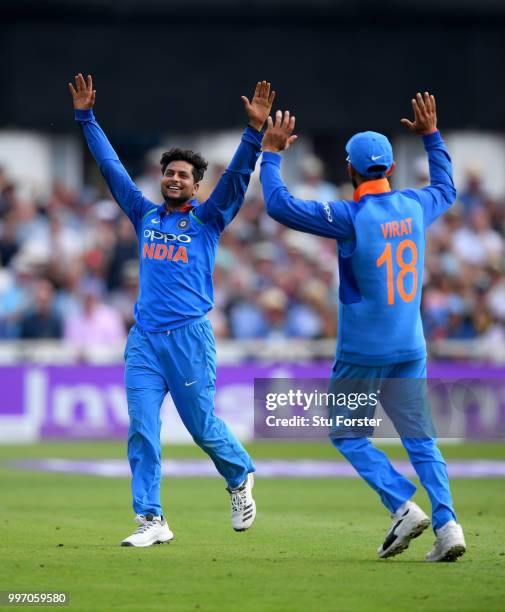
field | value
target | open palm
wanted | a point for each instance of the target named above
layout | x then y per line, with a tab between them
425	114
279	135
83	94
259	107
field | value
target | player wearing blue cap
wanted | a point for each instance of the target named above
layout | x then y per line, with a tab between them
171	346
381	244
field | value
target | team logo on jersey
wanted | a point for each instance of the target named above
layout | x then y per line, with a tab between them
183	224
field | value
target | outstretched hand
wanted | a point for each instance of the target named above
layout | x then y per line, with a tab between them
279	135
425	115
83	94
260	106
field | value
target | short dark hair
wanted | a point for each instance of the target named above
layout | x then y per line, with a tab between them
377	172
195	159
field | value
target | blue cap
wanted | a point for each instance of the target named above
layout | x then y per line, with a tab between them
367	149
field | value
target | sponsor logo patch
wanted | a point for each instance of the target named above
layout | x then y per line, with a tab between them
165	237
327	210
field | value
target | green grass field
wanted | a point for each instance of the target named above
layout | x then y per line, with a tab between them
312	546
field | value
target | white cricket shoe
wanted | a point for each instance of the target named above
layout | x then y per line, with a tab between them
450	543
409	521
243	506
152	530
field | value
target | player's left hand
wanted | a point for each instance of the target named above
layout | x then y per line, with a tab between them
279	135
260	106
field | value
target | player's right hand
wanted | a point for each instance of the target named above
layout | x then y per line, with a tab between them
425	115
83	94
279	135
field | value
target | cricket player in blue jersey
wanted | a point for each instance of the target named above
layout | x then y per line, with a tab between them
381	244
171	347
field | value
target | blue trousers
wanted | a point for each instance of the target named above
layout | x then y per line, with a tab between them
373	465
182	362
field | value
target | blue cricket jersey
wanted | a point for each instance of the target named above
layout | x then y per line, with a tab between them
381	244
177	249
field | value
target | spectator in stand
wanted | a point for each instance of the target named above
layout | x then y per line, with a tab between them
311	315
149	181
7	193
15	294
478	243
69	237
68	298
43	320
313	186
123	298
9	244
63	244
97	324
125	250
246	319
473	196
495	297
460	325
274	304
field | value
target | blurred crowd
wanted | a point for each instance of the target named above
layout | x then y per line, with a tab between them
68	267
464	283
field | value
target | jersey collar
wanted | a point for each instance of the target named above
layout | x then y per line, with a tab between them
371	188
183	209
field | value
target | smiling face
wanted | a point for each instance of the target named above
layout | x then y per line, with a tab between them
178	183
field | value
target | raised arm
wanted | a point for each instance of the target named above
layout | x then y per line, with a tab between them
228	195
124	190
328	219
441	193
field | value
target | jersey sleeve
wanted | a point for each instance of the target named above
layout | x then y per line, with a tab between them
123	189
328	219
440	195
228	195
